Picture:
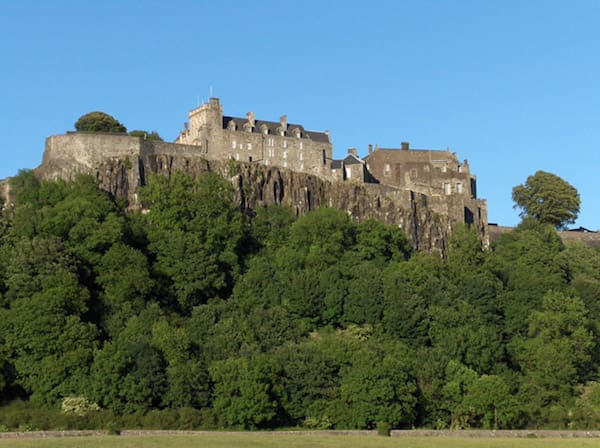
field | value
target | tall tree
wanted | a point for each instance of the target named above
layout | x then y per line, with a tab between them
547	198
99	122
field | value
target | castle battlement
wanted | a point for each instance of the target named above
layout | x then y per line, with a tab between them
388	183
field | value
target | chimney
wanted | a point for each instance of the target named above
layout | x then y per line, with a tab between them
186	125
370	149
404	146
250	117
352	151
283	121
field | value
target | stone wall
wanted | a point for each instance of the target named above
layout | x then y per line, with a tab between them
589	238
121	164
246	141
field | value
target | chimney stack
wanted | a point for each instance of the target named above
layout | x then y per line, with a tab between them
352	151
283	121
250	117
404	146
370	149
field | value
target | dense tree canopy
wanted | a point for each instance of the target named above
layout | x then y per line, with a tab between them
99	122
195	314
547	198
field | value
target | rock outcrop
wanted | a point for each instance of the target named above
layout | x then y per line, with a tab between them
122	164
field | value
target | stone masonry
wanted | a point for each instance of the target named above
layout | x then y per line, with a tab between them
425	192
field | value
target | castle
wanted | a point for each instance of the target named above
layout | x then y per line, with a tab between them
439	175
425	192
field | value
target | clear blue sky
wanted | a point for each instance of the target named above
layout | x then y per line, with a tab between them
512	86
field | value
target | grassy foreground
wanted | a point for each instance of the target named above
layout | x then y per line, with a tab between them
261	440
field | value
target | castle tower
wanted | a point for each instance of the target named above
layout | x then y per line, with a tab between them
209	115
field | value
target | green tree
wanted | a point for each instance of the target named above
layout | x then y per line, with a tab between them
246	392
46	336
129	373
99	122
152	136
490	403
547	198
555	356
197	234
379	387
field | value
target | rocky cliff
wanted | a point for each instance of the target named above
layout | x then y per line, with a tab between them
122	164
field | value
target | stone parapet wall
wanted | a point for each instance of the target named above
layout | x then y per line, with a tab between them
589	238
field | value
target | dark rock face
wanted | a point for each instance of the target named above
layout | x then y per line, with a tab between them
258	186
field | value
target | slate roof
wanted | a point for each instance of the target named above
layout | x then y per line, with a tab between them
272	126
336	164
352	160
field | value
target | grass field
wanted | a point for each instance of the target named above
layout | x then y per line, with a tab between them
258	440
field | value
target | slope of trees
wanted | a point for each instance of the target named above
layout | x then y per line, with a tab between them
196	315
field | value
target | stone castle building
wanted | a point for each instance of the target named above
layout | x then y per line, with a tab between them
439	175
279	144
425	192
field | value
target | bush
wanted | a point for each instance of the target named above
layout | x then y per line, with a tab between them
113	428
383	429
99	122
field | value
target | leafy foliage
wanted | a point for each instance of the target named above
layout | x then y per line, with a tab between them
195	314
99	122
152	136
547	198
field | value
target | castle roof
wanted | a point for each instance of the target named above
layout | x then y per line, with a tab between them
412	155
351	159
273	126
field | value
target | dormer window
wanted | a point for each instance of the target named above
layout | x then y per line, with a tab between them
264	129
247	127
297	132
231	125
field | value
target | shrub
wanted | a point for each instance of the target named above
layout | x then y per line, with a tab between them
383	429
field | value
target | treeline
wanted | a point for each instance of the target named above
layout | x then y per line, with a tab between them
194	314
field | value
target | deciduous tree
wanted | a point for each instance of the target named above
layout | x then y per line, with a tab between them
547	198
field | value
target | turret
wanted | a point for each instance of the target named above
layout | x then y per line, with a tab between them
209	115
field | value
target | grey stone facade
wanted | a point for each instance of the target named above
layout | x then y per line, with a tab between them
280	144
439	175
425	192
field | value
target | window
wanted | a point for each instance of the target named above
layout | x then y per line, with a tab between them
301	166
237	157
233	144
284	164
413	173
270	141
250	159
324	158
271	152
459	187
459	168
387	169
300	147
284	144
248	146
300	155
285	154
447	189
348	173
444	169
